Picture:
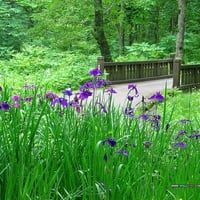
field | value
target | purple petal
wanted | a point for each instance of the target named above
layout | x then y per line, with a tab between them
4	106
67	92
157	97
147	144
15	98
111	91
109	141
95	72
51	95
180	144
184	121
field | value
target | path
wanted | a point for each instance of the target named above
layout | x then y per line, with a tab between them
145	88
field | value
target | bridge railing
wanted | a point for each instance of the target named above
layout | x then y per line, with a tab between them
190	76
124	72
184	76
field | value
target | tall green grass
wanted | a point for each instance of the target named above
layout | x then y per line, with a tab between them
54	152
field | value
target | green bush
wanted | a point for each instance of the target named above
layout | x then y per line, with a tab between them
55	69
191	48
14	22
169	43
142	51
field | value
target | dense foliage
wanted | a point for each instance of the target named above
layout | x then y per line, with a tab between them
15	20
39	35
53	69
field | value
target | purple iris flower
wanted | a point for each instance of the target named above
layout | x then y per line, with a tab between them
157	97
101	82
60	100
16	97
1	89
180	144
182	132
130	98
95	72
134	88
77	107
147	144
184	121
75	103
129	112
196	135
16	104
67	92
144	117
28	99
51	95
123	152
4	106
131	87
109	141
85	94
76	99
102	107
87	85
156	117
155	120
111	91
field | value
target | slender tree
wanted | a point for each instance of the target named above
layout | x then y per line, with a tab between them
181	29
99	31
121	32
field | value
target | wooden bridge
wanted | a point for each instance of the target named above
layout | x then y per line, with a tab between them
184	76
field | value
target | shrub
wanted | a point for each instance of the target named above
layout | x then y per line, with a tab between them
53	68
142	51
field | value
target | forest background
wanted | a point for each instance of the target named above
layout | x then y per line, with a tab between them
55	42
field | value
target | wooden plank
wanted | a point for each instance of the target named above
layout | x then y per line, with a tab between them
141	79
138	62
151	69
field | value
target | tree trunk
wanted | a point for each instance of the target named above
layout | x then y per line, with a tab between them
181	29
121	33
99	31
157	27
121	39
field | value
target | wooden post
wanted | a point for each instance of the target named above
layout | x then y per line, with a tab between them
172	57
176	72
100	63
